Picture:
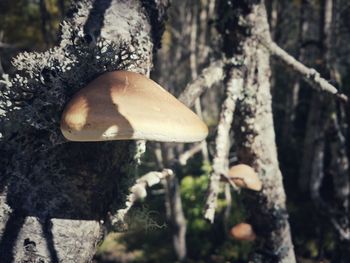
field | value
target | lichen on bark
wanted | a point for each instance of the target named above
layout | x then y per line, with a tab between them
244	24
54	193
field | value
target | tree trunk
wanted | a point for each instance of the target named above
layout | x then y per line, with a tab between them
1	68
54	195
45	24
175	216
194	42
173	203
255	139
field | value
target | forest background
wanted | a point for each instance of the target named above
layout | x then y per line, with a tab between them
312	133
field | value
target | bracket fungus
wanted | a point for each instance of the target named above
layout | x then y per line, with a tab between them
123	105
244	176
243	232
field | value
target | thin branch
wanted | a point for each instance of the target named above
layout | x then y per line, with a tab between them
194	66
185	156
208	77
310	75
228	208
5	45
137	192
343	233
234	86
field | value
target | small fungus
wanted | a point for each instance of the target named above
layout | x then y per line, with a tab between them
243	232
244	176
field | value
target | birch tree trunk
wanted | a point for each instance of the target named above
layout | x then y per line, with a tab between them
55	195
255	136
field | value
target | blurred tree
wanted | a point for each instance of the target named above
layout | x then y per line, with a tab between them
254	134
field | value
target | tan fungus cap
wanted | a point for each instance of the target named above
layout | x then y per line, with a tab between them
243	232
244	176
123	105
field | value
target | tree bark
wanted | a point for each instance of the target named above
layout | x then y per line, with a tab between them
175	216
255	139
55	195
233	88
194	41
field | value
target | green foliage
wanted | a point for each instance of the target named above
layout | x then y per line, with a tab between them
204	239
150	238
20	21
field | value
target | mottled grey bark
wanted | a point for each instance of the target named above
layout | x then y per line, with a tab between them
54	194
233	90
255	137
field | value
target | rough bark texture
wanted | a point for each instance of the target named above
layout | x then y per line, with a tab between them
255	137
54	194
233	85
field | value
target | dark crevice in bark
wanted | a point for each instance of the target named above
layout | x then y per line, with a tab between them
95	20
9	236
157	13
47	231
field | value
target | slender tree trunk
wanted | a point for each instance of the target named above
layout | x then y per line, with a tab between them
173	203
255	139
55	195
175	216
61	7
340	164
274	18
45	25
318	101
194	68
324	116
1	68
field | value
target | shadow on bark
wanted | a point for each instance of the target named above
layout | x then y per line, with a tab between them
69	181
95	20
84	190
46	227
9	236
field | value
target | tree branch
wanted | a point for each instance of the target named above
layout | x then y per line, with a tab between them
310	75
185	156
137	192
208	77
234	86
